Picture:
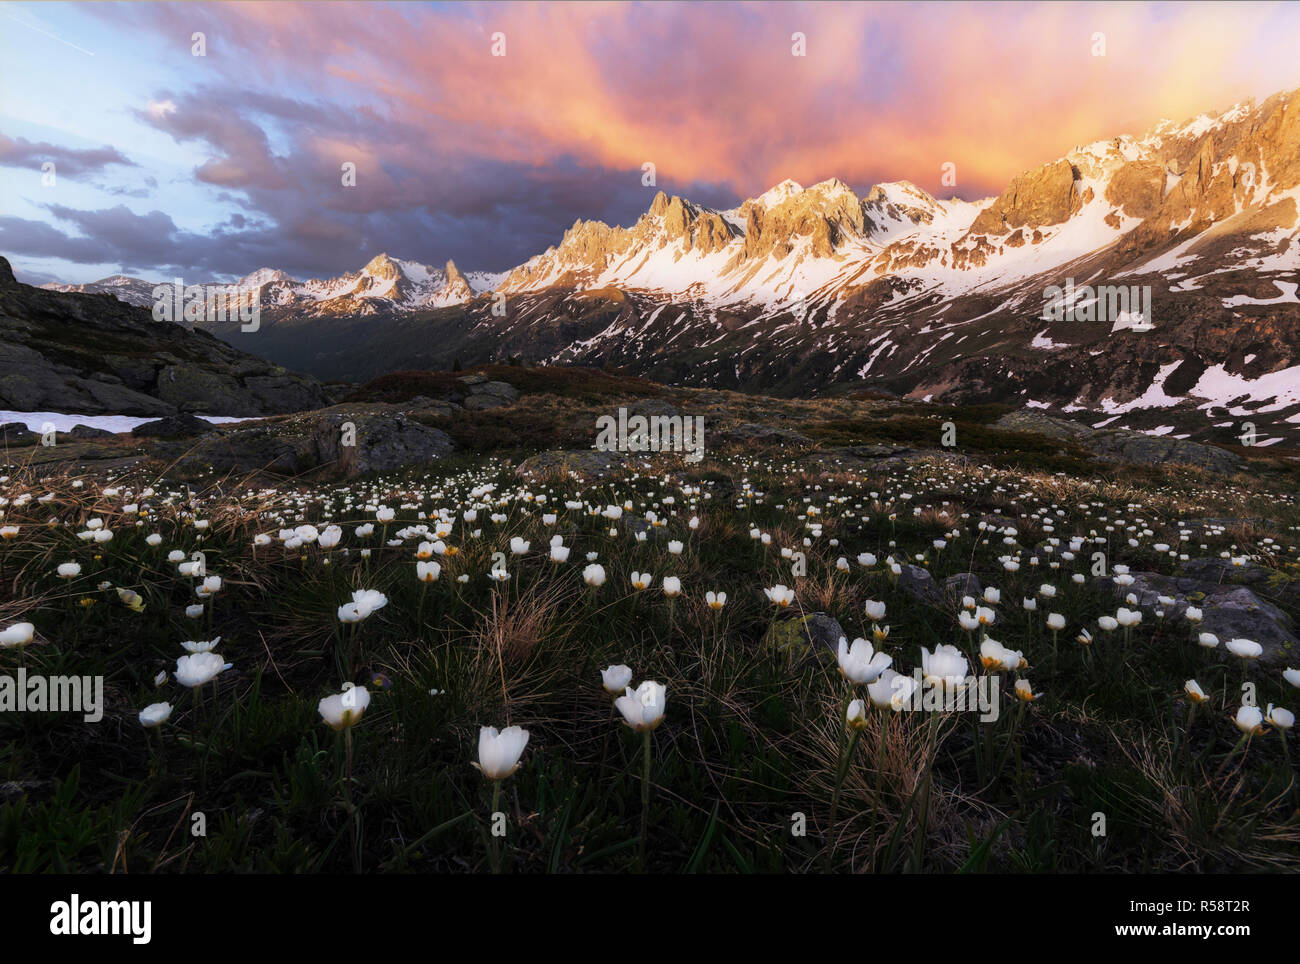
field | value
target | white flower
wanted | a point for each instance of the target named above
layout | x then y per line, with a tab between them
1024	692
198	668
675	547
518	546
992	596
856	717
342	710
640	580
559	553
1292	676
155	714
860	663
672	586
1250	720
594	575
1193	614
616	678
200	646
1282	719
364	602
643	708
1055	621
993	655
891	691
875	610
946	666
780	595
1244	648
385	514
19	634
499	753
69	570
715	600
1194	691
1208	640
427	571
1128	617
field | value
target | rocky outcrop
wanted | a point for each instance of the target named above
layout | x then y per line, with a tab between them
585	463
1038	198
1228	611
802	636
341	441
1119	445
71	352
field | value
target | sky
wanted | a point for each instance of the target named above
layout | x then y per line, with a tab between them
480	132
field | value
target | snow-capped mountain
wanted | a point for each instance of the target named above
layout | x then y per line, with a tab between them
384	285
133	291
819	288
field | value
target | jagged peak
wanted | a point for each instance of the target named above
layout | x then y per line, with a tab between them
900	192
454	276
778	193
381	265
831	186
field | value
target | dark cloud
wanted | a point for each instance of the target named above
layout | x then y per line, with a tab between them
68	161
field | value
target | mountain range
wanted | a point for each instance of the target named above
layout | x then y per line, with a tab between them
820	289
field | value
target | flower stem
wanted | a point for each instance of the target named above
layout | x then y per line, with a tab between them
493	856
840	773
645	803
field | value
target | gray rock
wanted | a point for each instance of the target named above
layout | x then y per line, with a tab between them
75	352
919	584
483	403
1228	611
801	635
1124	446
962	584
80	431
587	463
316	441
174	426
17	434
502	390
1029	420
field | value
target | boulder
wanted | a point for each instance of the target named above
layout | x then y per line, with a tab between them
1228	611
587	463
17	434
174	426
502	390
799	636
1121	445
962	584
345	443
80	431
919	584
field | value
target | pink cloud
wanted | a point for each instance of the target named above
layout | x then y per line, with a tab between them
712	93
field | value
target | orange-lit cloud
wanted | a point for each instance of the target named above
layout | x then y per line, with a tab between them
713	93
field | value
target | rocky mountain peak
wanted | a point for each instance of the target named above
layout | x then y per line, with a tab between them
382	266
